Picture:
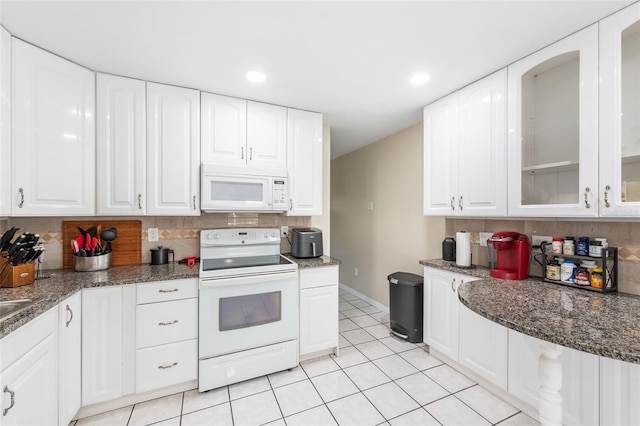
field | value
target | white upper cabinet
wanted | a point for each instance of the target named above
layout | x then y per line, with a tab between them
5	122
465	151
121	146
266	135
619	191
173	150
224	130
53	146
553	128
304	162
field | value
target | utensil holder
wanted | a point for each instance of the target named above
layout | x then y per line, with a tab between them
92	263
16	276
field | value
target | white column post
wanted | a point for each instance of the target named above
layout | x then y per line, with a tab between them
550	379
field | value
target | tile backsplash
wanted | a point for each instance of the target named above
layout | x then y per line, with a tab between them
624	235
182	234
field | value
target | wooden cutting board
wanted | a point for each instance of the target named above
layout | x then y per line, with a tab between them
126	249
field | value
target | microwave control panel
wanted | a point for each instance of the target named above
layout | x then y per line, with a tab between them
280	193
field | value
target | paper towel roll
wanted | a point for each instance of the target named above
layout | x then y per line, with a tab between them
463	248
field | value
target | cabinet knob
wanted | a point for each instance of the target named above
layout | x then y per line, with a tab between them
21	203
13	400
606	196
586	197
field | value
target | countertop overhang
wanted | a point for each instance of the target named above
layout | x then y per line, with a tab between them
601	324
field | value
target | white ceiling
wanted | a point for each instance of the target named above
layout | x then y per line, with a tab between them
350	60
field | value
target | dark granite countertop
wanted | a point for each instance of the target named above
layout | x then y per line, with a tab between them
63	283
601	324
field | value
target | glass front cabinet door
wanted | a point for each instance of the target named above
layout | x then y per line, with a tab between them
619	191
553	129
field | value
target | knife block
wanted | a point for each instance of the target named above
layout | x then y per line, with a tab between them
15	276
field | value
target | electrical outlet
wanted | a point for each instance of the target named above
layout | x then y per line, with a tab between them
370	205
152	234
484	236
536	240
355	272
284	231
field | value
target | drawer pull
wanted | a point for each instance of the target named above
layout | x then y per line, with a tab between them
168	323
70	316
13	400
167	291
163	367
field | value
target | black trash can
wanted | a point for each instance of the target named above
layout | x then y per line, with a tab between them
406	303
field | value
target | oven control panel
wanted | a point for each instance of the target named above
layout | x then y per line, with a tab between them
234	236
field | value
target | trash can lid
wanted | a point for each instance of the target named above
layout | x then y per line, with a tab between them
405	278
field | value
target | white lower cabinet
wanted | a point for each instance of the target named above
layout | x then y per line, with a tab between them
166	334
483	347
580	379
28	373
318	310
102	355
441	303
619	393
69	358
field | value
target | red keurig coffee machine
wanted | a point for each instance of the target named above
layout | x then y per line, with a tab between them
511	254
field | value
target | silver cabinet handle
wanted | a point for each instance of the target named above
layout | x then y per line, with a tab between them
290	204
460	202
167	291
168	323
250	153
452	206
242	152
586	197
13	400
164	367
139	201
453	281
606	196
21	203
194	202
70	316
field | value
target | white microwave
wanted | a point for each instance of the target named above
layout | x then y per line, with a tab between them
236	189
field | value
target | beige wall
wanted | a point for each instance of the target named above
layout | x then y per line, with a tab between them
393	236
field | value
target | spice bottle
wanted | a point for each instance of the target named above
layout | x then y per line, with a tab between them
556	245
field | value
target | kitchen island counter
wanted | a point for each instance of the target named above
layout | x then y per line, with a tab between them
600	324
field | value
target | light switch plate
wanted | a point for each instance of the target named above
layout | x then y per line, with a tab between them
284	230
484	236
152	234
536	240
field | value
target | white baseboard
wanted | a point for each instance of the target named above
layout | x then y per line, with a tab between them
367	299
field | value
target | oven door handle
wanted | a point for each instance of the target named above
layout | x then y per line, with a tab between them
247	279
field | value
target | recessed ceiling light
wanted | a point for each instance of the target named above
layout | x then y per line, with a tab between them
419	79
255	76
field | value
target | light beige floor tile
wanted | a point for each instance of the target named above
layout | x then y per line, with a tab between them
156	410
348	296
395	367
379	331
355	410
353	313
366	375
519	419
348	357
342	342
169	422
448	378
451	411
365	321
322	365
415	418
382	317
319	416
359	303
358	336
286	377
218	415
297	397
194	400
334	385
110	418
374	350
420	359
370	310
279	422
249	387
421	388
343	306
347	325
486	404
390	400
256	409
396	345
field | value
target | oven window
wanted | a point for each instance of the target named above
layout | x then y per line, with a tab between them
236	191
250	310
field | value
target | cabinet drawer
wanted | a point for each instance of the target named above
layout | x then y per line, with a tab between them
166	365
162	291
166	322
318	277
